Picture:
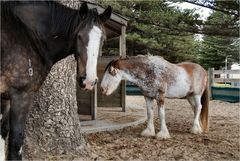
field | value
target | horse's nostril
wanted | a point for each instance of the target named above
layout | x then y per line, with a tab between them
81	79
102	90
82	85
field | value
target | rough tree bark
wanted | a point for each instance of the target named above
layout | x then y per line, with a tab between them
53	126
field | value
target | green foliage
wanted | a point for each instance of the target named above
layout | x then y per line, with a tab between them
158	28
214	49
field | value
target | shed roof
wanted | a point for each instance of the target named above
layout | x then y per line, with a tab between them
113	26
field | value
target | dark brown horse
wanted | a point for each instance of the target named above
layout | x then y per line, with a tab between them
34	36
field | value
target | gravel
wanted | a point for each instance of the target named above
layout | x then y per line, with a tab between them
220	143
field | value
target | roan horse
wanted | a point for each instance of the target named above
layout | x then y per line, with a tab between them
34	36
157	79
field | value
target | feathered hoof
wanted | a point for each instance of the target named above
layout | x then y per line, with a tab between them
163	135
196	130
148	132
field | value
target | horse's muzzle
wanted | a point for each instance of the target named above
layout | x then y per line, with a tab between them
85	84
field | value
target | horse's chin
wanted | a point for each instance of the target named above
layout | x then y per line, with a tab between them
88	87
106	93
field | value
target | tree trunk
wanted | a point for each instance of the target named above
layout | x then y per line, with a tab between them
53	126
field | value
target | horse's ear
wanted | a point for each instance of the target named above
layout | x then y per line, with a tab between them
83	10
113	71
106	14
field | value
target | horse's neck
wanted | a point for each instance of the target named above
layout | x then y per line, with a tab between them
133	69
61	41
47	28
58	41
126	75
141	69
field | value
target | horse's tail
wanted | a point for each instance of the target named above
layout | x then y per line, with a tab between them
204	111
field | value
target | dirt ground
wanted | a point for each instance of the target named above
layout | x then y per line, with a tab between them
222	142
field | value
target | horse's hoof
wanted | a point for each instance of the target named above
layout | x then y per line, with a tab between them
148	133
196	130
163	135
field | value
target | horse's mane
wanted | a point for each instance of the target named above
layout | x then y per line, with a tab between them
64	20
109	64
112	62
67	21
134	59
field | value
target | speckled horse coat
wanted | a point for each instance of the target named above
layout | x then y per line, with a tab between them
157	79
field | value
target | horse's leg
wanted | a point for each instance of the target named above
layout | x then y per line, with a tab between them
196	102
5	106
149	131
20	102
163	134
192	103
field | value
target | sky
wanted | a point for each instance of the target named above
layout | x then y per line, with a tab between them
202	11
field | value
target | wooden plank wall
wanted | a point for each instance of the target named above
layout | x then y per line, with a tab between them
113	100
88	101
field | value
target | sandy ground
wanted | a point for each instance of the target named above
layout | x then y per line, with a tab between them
222	142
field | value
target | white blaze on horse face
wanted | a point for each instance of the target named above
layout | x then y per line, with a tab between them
92	55
110	83
2	149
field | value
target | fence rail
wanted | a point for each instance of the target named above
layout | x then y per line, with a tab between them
230	76
220	80
230	89
226	71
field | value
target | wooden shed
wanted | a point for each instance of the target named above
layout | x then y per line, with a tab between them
88	101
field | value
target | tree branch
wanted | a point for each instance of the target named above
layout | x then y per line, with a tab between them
213	8
194	30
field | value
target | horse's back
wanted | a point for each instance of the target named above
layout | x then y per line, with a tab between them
191	67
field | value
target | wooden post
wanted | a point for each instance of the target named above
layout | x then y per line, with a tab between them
123	96
122	42
94	103
210	82
122	50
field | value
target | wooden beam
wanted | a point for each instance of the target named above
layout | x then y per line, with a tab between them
122	52
122	42
215	80
226	72
210	82
114	17
123	96
111	28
